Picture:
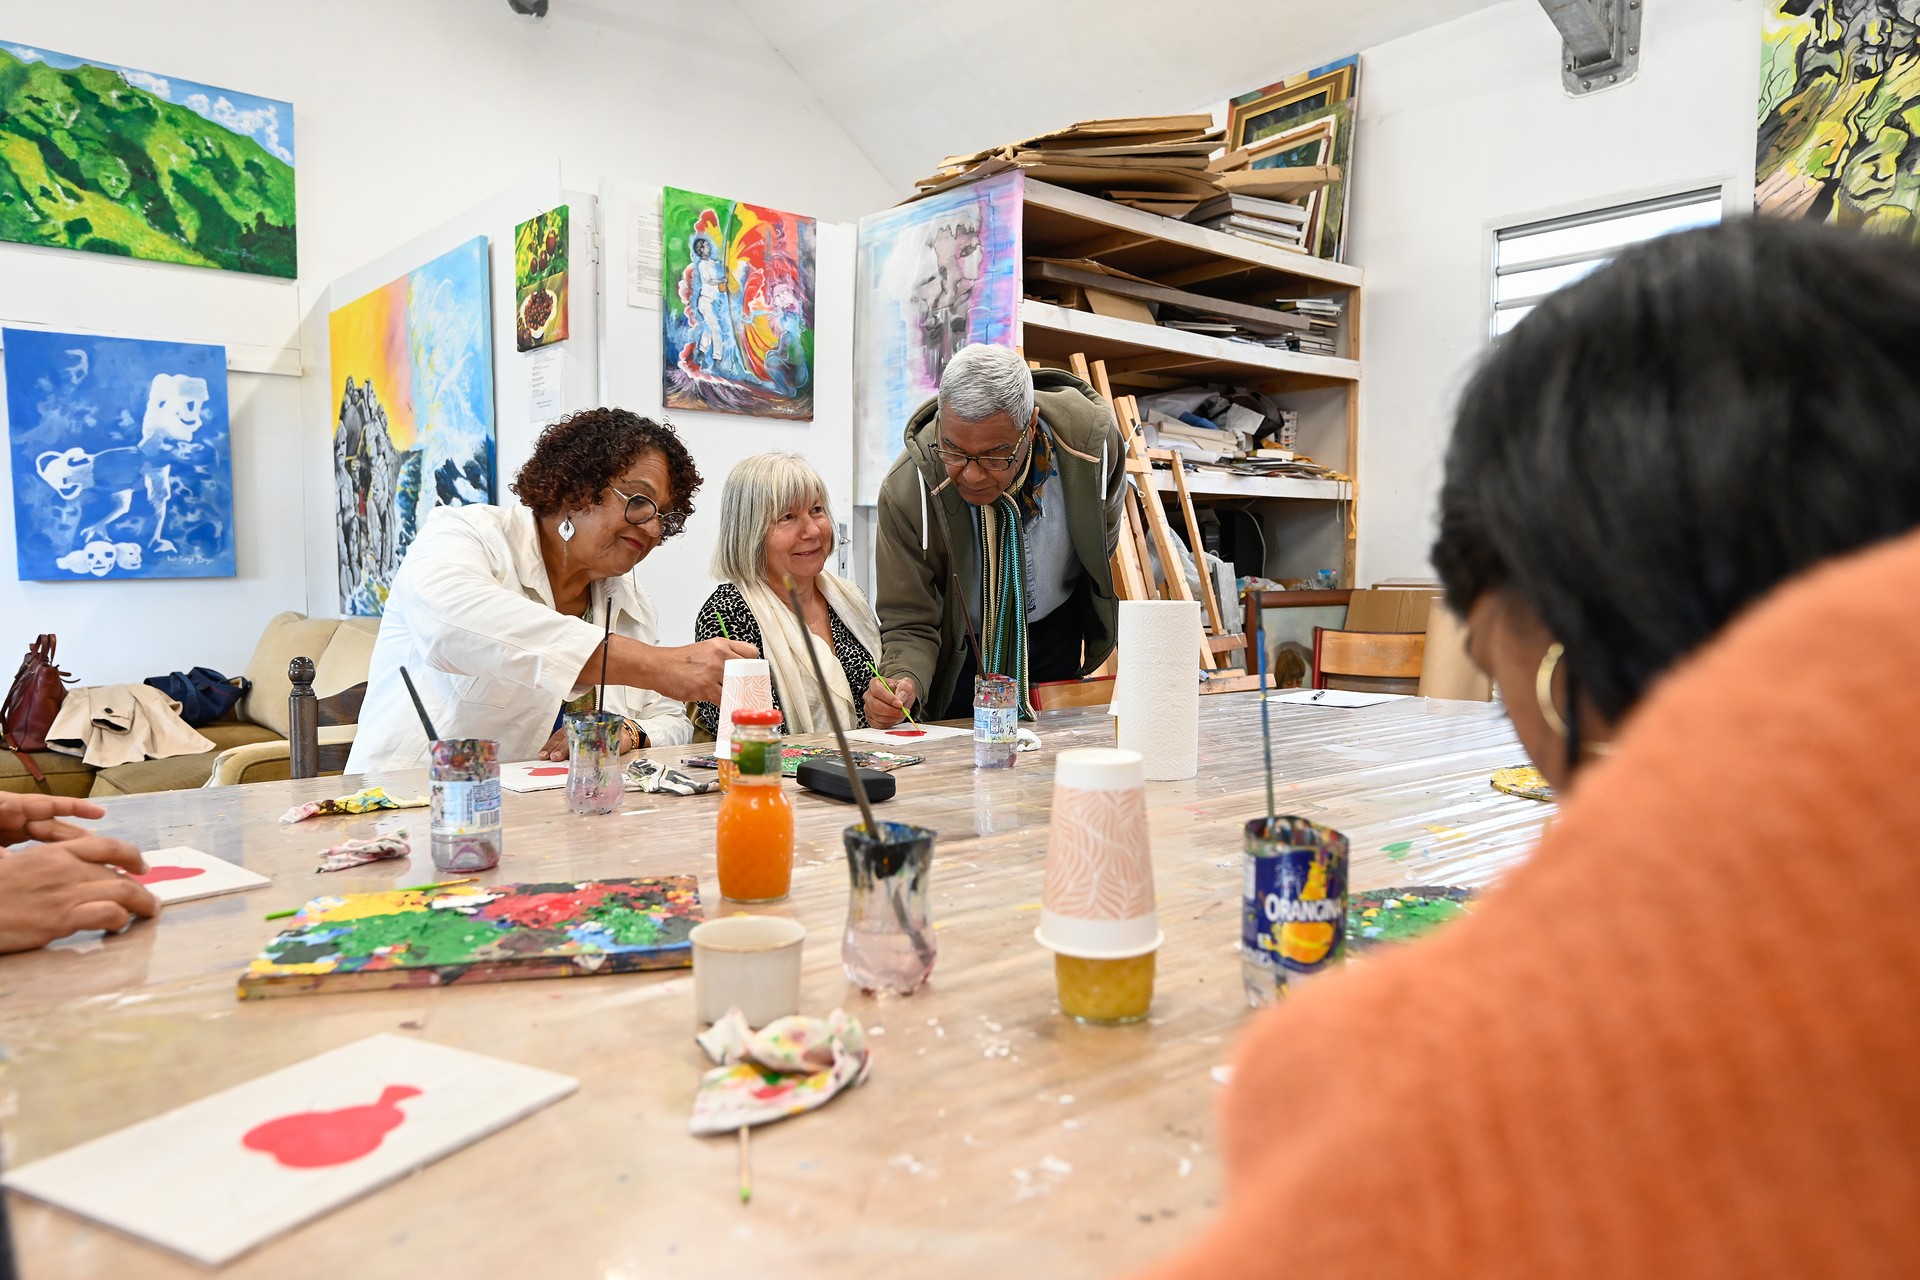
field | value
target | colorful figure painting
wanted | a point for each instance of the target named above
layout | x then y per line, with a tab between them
413	380
739	283
1839	112
540	280
1325	93
122	464
114	160
480	933
933	276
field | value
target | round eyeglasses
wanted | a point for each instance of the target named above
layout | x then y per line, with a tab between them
642	510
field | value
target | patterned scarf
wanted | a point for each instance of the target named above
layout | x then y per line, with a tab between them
1003	570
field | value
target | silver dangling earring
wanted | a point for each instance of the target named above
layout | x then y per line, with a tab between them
566	529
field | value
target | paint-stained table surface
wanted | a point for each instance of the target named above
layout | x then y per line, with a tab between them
993	1133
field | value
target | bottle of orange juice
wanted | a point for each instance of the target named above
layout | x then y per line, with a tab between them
753	838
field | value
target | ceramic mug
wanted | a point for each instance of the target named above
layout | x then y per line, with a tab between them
752	962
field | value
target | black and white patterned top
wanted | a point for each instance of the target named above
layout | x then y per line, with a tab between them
727	602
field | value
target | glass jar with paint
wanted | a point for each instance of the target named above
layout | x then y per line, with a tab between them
889	943
996	721
1293	905
594	784
464	823
753	836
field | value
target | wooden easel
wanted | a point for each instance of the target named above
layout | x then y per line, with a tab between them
1143	513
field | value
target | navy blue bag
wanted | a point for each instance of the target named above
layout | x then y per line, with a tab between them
204	694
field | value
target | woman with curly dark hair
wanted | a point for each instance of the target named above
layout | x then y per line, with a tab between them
497	612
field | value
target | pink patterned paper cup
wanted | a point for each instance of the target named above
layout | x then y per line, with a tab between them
745	684
1098	901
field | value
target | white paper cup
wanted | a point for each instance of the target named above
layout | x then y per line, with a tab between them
1098	901
749	961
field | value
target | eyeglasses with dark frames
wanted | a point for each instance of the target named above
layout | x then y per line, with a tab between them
642	510
954	460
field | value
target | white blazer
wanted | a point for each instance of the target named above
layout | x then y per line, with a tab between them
471	617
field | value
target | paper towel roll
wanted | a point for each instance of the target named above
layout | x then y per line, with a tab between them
1156	692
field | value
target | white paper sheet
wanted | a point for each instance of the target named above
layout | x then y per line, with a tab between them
534	775
546	378
643	260
907	736
220	1176
1335	698
180	874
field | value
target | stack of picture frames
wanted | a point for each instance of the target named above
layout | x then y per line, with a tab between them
1294	140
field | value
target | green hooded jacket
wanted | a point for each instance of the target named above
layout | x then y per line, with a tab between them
926	535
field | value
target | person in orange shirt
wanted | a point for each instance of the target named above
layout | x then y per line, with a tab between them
1681	1040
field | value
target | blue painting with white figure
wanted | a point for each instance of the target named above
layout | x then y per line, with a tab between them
121	457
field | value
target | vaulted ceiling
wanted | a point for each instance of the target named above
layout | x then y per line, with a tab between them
911	81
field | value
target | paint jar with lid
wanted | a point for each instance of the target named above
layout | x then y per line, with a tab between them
465	822
753	835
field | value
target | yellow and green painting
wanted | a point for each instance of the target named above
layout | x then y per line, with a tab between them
115	160
540	280
1839	114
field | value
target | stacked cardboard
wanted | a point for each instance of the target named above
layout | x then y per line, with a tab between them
1157	163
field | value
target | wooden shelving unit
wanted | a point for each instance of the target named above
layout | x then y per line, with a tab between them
1142	358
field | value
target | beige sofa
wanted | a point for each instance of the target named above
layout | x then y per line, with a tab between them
251	742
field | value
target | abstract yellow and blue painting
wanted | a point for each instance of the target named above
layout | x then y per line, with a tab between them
412	375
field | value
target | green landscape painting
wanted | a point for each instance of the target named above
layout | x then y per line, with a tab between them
115	160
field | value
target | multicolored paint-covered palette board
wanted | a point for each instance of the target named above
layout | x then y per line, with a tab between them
479	933
791	758
224	1174
1388	916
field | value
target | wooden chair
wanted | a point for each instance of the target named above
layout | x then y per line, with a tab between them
1254	599
1094	691
1385	655
307	715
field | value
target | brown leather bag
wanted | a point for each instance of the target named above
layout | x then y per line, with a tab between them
38	689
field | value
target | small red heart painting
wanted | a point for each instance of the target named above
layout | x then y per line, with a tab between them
154	875
318	1139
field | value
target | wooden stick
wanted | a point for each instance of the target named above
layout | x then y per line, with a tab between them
426	722
606	644
833	716
959	593
746	1166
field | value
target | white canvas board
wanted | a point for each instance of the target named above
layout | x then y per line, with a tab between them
189	1180
180	874
905	737
534	775
1335	698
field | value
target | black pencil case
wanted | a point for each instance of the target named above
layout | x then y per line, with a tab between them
829	778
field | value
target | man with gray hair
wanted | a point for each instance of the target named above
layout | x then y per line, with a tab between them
1010	486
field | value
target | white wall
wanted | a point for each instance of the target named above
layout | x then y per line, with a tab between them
406	114
1465	128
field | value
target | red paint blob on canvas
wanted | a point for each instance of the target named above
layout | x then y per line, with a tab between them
906	733
318	1139
154	875
551	771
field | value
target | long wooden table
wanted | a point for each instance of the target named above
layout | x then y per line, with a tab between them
993	1133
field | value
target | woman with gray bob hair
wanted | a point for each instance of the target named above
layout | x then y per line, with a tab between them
775	527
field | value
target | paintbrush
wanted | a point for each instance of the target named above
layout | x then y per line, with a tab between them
889	688
426	721
606	646
1266	737
746	1166
966	616
833	717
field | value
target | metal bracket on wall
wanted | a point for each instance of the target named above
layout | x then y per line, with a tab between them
1602	38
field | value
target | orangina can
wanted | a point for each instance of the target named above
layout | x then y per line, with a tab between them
1293	905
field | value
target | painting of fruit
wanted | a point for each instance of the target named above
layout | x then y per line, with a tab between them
540	280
